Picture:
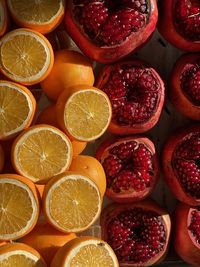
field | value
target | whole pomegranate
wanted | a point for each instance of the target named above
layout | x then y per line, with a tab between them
185	85
108	30
181	164
137	94
138	232
131	167
187	233
179	23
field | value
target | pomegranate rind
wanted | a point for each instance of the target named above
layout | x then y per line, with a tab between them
185	247
167	28
113	209
111	54
103	151
169	175
137	127
178	98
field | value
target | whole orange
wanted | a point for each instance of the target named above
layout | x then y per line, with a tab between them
70	68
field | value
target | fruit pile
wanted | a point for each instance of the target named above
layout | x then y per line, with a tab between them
51	192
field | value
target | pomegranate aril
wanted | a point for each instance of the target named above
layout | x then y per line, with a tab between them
112	165
124	150
140	5
194	226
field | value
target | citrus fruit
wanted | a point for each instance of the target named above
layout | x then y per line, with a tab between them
48	116
92	167
17	109
84	112
20	255
3	17
42	16
19	209
26	56
70	68
71	202
47	240
2	158
41	152
85	252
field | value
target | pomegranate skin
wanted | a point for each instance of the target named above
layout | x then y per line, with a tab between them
167	29
169	175
113	209
136	128
109	54
184	245
181	102
130	197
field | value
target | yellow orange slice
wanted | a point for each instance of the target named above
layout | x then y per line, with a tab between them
71	202
42	16
17	109
3	17
84	112
26	56
85	252
19	208
41	152
20	255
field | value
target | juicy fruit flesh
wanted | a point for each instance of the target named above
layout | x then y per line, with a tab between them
194	226
16	208
20	261
187	19
134	93
190	82
93	255
186	164
129	167
69	204
136	235
110	22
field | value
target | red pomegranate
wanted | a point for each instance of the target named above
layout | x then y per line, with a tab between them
137	94
131	167
179	23
187	233
185	85
138	232
108	30
181	164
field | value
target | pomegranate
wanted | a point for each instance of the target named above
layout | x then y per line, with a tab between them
136	92
108	30
131	167
181	164
138	232
187	233
185	85
179	23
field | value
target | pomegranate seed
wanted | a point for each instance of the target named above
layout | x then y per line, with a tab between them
194	226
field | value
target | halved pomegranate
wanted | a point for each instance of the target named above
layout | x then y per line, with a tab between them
179	23
108	30
131	167
137	94
138	232
187	233
181	164
185	85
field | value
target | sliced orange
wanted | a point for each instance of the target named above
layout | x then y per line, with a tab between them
84	112
3	17
85	252
17	109
48	116
20	255
2	158
42	16
92	167
71	202
47	240
19	209
26	56
41	152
